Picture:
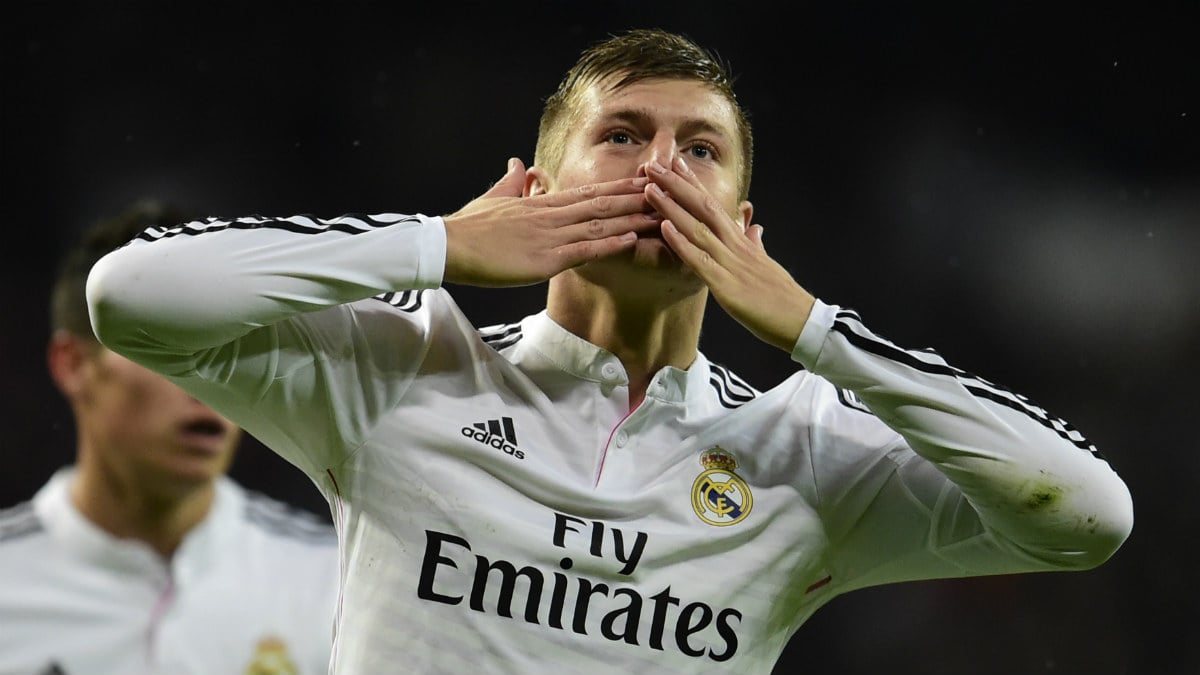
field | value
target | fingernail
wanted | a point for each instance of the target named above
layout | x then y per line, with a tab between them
657	190
512	163
682	164
640	181
657	168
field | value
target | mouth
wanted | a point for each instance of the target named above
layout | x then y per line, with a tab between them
206	435
207	427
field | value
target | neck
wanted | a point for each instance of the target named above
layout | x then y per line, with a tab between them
647	332
123	506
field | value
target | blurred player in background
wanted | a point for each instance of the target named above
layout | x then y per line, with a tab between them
142	556
583	490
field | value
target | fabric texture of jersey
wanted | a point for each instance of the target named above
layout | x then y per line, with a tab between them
250	590
500	506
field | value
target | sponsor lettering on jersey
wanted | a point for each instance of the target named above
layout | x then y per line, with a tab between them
624	613
719	496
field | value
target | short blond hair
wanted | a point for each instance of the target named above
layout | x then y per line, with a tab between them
637	55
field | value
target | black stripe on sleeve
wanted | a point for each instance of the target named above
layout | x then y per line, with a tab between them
405	301
299	224
977	386
1058	426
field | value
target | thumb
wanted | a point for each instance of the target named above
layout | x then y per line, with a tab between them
755	234
512	183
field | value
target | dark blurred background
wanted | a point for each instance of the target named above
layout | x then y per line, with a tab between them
1016	185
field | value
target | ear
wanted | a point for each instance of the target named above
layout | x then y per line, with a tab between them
747	211
537	182
67	357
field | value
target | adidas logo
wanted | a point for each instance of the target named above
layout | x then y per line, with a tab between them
500	434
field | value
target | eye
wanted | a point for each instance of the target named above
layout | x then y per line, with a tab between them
619	137
702	150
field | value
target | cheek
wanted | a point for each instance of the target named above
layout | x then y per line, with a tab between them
584	163
721	185
577	170
130	392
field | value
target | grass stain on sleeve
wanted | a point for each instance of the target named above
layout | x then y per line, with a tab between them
1043	496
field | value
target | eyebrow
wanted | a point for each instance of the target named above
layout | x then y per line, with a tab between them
690	126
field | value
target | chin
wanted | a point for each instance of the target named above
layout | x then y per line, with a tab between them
194	468
653	253
647	270
192	474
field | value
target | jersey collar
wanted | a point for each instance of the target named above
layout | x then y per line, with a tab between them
573	355
200	548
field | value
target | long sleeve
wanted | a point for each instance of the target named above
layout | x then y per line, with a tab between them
1025	490
271	321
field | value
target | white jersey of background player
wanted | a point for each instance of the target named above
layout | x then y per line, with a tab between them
248	591
584	491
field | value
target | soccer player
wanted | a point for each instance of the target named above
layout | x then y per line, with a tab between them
583	490
142	556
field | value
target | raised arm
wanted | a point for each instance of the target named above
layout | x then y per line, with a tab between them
173	292
1019	479
263	319
989	481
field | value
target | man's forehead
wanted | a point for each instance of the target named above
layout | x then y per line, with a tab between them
677	100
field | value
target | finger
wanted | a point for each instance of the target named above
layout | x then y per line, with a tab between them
755	234
701	196
602	228
696	258
687	190
697	232
681	168
511	183
598	208
583	193
580	252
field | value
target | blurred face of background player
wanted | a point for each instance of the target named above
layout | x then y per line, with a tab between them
147	454
135	429
614	114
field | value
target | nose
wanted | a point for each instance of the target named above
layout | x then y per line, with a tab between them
662	149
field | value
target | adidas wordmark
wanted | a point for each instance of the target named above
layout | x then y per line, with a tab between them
500	434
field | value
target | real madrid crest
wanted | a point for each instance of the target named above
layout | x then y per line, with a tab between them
271	658
719	496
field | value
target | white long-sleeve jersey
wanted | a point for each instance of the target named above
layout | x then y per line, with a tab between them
499	507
